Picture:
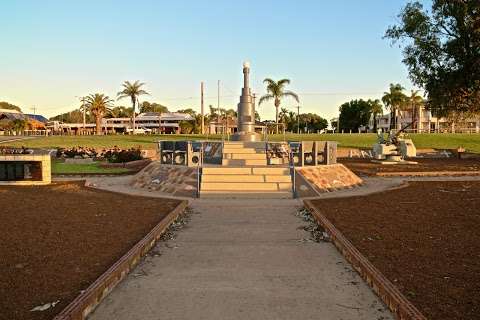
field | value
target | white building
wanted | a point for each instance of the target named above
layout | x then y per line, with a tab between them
154	122
425	122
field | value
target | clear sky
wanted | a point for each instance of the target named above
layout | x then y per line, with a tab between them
333	51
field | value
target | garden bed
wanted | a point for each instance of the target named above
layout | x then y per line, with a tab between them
424	238
57	239
453	165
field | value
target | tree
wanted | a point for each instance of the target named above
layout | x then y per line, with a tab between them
276	91
441	49
132	91
313	122
376	108
120	112
394	99
9	106
152	107
99	105
415	101
354	114
18	125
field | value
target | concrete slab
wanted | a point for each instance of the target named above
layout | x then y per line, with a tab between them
241	259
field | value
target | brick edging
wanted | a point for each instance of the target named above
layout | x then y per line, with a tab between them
400	306
427	173
86	302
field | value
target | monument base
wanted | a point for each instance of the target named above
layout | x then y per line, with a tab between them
247	136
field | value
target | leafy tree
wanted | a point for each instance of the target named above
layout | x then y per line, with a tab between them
152	107
132	91
18	125
99	105
9	106
354	114
313	122
395	100
441	48
120	112
74	116
276	91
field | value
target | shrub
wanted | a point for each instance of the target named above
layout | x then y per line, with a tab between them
116	155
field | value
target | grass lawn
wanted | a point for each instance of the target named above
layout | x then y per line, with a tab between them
59	167
471	142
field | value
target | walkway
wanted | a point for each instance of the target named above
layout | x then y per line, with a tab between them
243	259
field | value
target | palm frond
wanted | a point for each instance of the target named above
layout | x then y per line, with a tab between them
292	94
265	98
283	82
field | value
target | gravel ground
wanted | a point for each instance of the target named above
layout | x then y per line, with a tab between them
424	238
369	168
57	239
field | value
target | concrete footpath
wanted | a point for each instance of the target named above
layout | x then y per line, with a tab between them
243	259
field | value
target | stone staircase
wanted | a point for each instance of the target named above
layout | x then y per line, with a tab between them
244	154
244	174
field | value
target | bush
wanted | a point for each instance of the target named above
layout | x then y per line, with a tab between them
116	155
76	152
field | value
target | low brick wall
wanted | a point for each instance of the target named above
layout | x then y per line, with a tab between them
329	177
175	180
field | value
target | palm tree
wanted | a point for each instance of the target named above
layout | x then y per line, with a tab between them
276	91
394	99
132	91
376	108
99	105
283	117
415	101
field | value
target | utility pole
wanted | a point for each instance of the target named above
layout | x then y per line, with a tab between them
218	103
202	111
84	114
298	119
34	119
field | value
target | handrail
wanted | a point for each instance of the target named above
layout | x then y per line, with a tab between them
292	173
199	169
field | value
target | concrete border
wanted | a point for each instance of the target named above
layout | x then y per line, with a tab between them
86	302
428	174
400	306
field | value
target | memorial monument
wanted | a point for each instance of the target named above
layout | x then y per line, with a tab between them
246	112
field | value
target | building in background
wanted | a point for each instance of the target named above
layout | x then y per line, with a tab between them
149	122
425	122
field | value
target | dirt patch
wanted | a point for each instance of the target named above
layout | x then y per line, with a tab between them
57	239
424	238
366	167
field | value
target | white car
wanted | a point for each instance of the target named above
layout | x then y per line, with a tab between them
139	130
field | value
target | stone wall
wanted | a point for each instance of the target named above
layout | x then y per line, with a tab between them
175	180
328	178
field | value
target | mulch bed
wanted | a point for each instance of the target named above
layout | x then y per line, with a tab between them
57	239
424	238
369	168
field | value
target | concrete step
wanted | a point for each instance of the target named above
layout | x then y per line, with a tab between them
245	186
242	150
221	170
244	162
244	156
254	145
245	178
246	195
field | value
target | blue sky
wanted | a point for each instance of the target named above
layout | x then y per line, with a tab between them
332	51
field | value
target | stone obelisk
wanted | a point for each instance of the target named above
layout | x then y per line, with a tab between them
246	111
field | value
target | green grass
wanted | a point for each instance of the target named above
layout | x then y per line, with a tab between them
91	168
471	142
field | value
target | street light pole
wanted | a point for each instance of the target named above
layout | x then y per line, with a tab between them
202	111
